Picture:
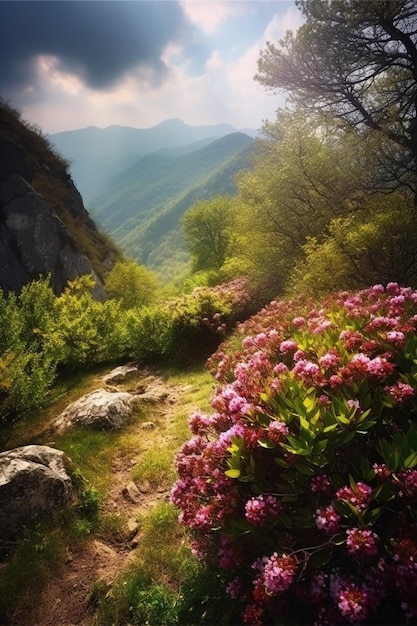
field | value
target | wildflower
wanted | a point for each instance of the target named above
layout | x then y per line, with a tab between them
321	484
396	337
328	519
352	603
234	588
382	471
253	615
329	359
277	431
279	572
229	553
298	321
358	497
280	368
199	423
361	543
400	392
289	345
261	508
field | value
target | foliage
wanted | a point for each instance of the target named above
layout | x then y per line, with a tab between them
377	243
301	487
131	284
358	61
87	327
189	326
209	232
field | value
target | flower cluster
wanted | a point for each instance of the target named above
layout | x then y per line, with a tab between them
301	486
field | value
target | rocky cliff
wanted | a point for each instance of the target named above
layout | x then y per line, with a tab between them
44	226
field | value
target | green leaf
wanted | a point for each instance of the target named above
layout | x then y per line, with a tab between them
410	461
266	443
232	473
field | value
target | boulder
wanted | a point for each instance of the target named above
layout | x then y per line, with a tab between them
100	410
33	480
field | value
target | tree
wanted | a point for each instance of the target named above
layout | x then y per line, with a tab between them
357	60
305	174
377	245
209	232
131	284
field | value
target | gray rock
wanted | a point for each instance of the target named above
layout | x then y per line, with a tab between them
131	492
121	374
33	480
100	410
35	242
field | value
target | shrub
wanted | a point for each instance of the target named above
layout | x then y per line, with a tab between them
301	487
193	324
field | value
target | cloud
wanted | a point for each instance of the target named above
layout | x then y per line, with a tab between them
135	63
97	41
208	15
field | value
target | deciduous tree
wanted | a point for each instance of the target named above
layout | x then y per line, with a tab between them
357	60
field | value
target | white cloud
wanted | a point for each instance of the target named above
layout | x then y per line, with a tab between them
208	15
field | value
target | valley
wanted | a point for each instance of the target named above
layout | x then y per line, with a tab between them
138	183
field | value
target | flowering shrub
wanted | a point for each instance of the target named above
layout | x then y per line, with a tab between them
193	323
301	487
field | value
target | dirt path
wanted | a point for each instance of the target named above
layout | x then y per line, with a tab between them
66	598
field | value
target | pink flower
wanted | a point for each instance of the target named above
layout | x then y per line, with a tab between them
358	497
329	359
352	603
396	337
289	345
277	431
234	588
321	484
327	519
261	508
298	321
199	423
361	544
278	573
400	392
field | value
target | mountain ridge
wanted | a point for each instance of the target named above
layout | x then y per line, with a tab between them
94	152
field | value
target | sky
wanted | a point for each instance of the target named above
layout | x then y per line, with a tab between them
71	64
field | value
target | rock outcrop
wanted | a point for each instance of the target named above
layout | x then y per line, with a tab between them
100	410
33	480
44	226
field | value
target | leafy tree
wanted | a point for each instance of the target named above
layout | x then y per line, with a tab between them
357	60
305	174
131	284
209	232
379	244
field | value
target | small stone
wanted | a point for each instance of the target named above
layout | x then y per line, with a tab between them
147	426
131	492
144	486
132	528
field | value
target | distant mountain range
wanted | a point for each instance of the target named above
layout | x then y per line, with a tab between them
137	183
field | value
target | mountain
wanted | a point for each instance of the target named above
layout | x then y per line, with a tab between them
142	207
44	226
97	153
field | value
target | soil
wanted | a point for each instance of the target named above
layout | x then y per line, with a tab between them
66	599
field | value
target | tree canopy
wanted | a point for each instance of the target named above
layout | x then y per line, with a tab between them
358	61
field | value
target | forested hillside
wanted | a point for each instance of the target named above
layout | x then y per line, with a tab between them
143	210
97	154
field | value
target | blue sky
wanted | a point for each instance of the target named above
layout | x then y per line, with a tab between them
72	64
